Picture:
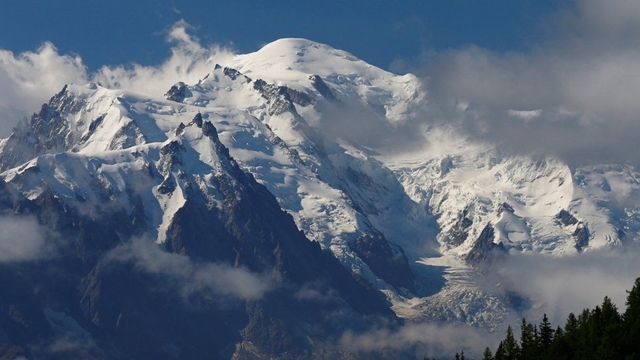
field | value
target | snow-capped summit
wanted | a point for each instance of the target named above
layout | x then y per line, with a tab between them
320	130
289	60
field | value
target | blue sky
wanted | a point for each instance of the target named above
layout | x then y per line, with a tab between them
120	32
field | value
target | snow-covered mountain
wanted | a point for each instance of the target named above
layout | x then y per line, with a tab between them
418	210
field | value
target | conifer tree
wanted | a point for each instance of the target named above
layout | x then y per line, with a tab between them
528	343
487	355
601	333
500	352
546	333
631	318
511	347
610	329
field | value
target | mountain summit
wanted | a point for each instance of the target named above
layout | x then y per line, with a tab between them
290	196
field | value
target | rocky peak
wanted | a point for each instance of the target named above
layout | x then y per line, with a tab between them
281	98
197	120
178	92
460	229
45	132
233	74
210	131
485	252
386	261
581	232
581	235
65	102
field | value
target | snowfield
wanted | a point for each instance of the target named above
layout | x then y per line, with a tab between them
326	133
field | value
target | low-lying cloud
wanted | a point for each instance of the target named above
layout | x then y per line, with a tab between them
192	277
22	239
552	285
426	339
559	286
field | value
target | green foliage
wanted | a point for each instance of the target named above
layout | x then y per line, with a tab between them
511	347
529	341
631	321
546	334
487	355
601	333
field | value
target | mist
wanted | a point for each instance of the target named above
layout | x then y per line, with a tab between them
425	339
559	286
23	239
572	94
191	277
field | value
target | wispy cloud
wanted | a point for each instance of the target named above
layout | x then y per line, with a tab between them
29	79
430	339
189	62
192	277
559	286
23	239
582	78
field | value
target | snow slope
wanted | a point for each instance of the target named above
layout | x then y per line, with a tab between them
306	121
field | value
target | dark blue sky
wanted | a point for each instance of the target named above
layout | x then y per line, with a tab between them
119	32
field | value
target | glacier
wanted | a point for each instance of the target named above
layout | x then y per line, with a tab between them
353	153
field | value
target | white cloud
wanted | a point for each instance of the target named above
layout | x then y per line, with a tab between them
555	286
189	62
22	239
192	277
559	286
30	79
426	339
583	79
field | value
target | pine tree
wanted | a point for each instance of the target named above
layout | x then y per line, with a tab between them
528	343
487	355
632	322
511	347
500	352
546	333
611	325
601	333
572	324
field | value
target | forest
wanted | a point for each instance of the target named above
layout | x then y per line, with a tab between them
601	333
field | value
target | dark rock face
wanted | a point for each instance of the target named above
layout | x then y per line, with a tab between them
460	230
581	234
234	74
485	252
387	262
323	88
92	127
281	98
566	218
197	120
178	92
102	308
45	132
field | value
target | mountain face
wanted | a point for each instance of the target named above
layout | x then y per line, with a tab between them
284	199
